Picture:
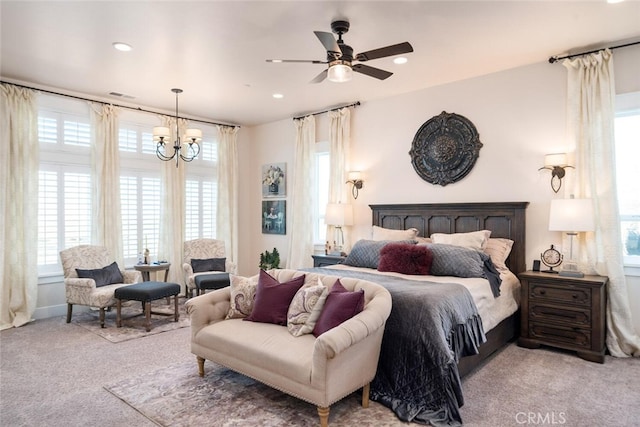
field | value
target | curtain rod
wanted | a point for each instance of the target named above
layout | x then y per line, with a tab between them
115	105
556	58
355	104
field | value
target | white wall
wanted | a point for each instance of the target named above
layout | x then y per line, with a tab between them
520	116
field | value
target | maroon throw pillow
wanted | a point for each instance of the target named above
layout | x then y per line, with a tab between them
406	259
339	306
273	299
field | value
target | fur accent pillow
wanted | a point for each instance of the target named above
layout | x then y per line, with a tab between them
450	260
273	299
475	240
380	233
305	308
243	293
499	250
366	253
406	259
341	305
209	264
103	276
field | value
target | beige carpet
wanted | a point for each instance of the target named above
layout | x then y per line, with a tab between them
133	320
518	386
177	396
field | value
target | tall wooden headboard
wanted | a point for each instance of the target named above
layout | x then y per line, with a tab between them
504	219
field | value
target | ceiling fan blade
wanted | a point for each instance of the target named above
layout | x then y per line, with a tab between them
383	52
308	61
328	41
371	71
320	77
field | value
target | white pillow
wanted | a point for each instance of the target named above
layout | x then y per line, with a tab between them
380	233
305	308
499	250
475	240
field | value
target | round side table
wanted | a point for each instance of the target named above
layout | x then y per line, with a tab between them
145	269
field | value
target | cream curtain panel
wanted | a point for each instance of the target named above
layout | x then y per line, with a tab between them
19	165
172	207
227	209
591	107
105	180
301	209
339	149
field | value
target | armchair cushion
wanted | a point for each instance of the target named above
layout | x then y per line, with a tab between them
273	299
209	264
108	275
341	305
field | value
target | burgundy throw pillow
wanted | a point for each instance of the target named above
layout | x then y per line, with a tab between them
339	306
273	299
406	259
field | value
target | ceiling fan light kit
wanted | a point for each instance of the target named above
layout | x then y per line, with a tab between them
340	58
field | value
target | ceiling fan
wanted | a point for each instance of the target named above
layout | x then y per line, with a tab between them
341	60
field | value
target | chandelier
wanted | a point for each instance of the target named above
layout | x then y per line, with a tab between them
191	147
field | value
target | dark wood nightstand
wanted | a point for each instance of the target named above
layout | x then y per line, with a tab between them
324	260
564	312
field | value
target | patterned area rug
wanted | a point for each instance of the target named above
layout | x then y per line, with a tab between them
133	320
176	396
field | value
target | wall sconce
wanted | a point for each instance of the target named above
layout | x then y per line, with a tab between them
556	163
355	179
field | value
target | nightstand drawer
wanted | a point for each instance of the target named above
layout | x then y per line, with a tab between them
560	335
564	294
562	314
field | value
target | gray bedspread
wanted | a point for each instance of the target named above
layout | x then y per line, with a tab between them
431	326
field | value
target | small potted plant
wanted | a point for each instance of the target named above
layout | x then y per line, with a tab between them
269	260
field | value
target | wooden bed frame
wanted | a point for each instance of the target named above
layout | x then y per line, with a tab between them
504	219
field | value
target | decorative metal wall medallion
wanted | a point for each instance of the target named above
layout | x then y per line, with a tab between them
445	148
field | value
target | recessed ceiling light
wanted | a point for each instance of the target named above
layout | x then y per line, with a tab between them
400	60
123	47
278	95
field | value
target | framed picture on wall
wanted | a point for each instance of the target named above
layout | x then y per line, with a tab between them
274	217
274	180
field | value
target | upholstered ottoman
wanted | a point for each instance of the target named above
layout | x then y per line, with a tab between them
211	281
146	292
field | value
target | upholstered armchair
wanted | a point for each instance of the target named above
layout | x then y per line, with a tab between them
203	249
95	292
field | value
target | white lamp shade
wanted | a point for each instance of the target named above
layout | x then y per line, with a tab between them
340	73
161	131
339	214
558	159
571	215
193	134
355	176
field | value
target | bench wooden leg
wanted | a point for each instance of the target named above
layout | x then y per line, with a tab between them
147	316
324	416
200	366
119	313
177	313
365	395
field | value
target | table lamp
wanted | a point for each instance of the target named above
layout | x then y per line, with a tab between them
571	216
338	215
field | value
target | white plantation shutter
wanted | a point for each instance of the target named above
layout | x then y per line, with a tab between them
77	209
48	218
77	132
130	220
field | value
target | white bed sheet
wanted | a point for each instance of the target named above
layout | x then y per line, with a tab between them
492	310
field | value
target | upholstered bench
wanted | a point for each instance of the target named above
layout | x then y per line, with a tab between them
146	292
211	281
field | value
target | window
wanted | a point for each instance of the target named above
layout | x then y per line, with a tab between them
65	193
627	131
321	192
